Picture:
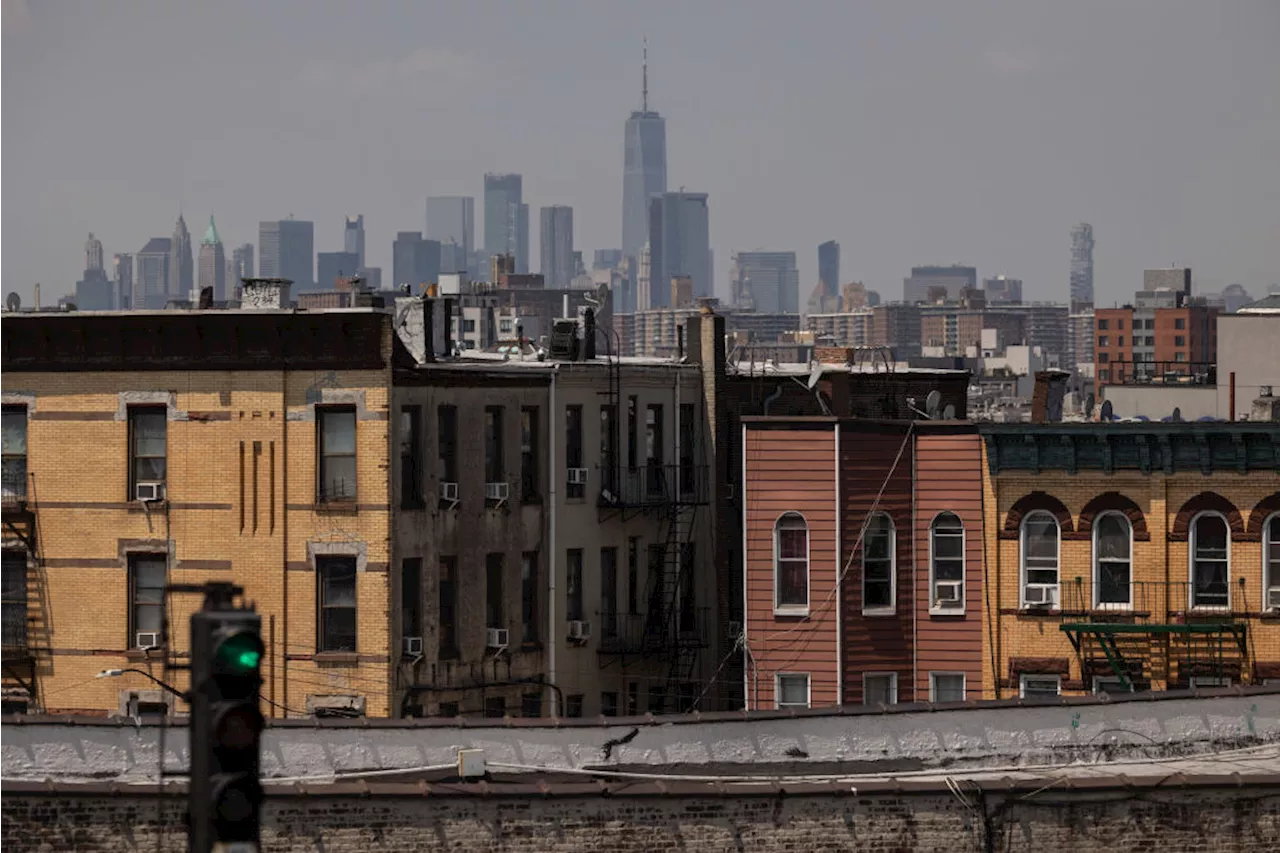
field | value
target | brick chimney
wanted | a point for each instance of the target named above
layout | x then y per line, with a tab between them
1047	398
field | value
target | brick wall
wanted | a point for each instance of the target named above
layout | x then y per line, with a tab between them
1115	822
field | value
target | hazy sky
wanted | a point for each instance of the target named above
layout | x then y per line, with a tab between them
911	132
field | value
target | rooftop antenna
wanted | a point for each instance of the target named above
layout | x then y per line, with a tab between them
644	89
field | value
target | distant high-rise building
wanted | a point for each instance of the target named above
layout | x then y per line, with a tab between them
606	259
414	261
506	218
93	253
353	237
151	275
1081	267
242	258
954	279
826	294
122	275
286	250
452	220
372	277
644	171
768	281
679	244
331	266
1002	289
557	246
182	274
213	263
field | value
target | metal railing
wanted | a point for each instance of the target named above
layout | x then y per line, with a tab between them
1147	602
13	624
653	485
13	480
653	633
1160	372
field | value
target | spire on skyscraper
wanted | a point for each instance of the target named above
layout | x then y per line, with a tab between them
644	73
211	233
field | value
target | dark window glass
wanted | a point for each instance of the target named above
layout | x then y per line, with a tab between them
494	470
337	581
447	436
448	615
146	589
493	591
147	439
411	596
529	596
573	583
791	557
573	448
609	592
337	454
15	452
529	454
410	457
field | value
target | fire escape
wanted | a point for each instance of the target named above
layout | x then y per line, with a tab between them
1182	633
23	599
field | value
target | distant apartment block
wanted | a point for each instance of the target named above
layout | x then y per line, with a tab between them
846	329
926	283
1002	290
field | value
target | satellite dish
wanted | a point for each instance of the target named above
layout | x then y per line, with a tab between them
1107	411
1089	403
931	403
1177	414
12	302
815	373
949	413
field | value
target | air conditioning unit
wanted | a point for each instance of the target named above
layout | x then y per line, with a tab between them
496	492
1042	594
579	630
146	640
577	476
449	492
497	638
947	593
148	491
413	647
1273	598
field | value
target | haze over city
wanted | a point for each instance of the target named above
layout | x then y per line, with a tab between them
922	133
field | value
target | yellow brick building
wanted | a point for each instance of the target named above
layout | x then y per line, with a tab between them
1130	556
144	449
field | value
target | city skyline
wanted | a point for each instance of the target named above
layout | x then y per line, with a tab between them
920	197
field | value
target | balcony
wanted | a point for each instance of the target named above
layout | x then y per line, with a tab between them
651	634
13	625
647	486
1158	602
13	483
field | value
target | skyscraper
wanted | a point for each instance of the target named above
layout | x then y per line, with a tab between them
1081	267
182	275
331	266
242	259
353	238
451	220
770	280
213	263
506	218
952	280
286	250
122	275
414	261
151	275
826	295
679	244
644	170
557	245
92	253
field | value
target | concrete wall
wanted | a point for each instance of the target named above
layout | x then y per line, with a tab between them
1249	346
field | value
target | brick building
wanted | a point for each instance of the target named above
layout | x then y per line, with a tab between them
1130	556
1162	337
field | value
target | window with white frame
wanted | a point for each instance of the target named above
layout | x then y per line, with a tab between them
877	565
791	562
880	688
1033	685
1202	681
793	690
1210	565
946	563
946	687
1040	536
1112	562
1271	560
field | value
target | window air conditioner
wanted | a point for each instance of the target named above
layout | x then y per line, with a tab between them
412	647
947	593
146	640
577	476
148	491
1041	594
1273	598
497	638
496	492
449	492
579	630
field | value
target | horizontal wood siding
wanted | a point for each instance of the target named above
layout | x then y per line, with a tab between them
879	643
791	471
949	478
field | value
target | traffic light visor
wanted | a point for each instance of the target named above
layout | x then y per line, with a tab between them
238	654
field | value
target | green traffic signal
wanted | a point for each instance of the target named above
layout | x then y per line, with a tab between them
239	654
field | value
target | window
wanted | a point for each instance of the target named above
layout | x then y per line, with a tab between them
448	608
529	454
880	688
495	707
946	687
1037	686
13	599
573	706
1104	375
1120	339
688	596
1112	550
504	326
146	596
1102	325
877	564
146	711
1210	544
15	452
1179	340
1110	684
337	455
493	611
657	700
1102	341
632	430
531	706
609	704
529	597
147	428
609	591
793	690
608	447
653	448
633	575
791	562
633	699
1180	323
1120	325
688	439
573	449
654	622
1040	537
447	709
1180	356
336	577
573	584
1104	358
447	440
1271	556
494	470
410	457
946	549
411	597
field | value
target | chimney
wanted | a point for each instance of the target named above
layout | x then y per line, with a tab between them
1047	398
587	315
679	342
429	329
265	294
1266	408
448	326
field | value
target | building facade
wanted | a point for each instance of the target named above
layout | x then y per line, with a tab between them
415	261
952	281
679	244
506	218
1081	276
286	249
768	282
353	238
331	266
557	245
213	263
151	279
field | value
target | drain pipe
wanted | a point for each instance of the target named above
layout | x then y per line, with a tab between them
553	511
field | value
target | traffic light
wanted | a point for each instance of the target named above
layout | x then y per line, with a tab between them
226	730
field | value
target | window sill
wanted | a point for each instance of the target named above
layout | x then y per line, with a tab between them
345	506
946	611
147	506
791	610
880	611
155	653
336	657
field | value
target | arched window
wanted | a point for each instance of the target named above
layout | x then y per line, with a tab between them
1112	562
1040	537
878	548
791	562
1210	561
946	562
1271	560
